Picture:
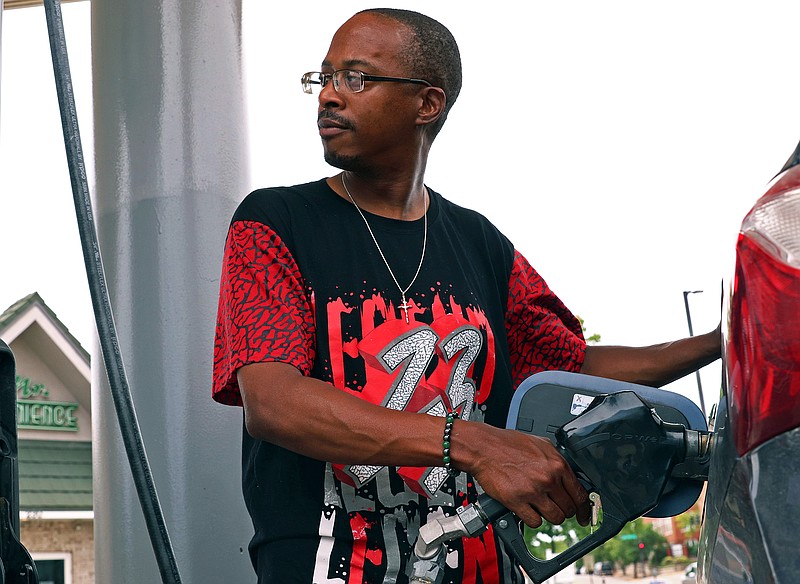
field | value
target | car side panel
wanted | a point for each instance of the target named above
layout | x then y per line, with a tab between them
775	492
747	536
723	459
738	555
731	548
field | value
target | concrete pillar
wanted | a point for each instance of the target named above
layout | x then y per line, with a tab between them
170	166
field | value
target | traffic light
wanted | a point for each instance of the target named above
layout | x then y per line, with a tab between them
641	545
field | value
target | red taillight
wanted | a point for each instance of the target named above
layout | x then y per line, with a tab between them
763	350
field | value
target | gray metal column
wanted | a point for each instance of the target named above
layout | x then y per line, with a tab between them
170	165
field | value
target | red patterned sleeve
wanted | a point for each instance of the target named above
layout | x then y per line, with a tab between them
542	333
264	313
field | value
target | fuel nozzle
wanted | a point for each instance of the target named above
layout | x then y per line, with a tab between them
623	453
697	458
628	455
622	447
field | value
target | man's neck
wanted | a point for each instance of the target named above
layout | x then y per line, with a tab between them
401	196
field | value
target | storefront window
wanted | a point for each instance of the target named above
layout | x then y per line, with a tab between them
53	568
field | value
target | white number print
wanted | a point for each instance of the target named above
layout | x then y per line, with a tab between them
411	354
416	351
467	340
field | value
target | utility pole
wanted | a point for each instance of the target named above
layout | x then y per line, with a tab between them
691	334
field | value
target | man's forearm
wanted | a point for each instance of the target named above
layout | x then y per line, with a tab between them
525	473
655	365
311	417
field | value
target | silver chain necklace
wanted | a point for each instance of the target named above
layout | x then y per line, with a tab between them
404	306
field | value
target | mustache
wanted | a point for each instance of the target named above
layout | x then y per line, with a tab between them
334	117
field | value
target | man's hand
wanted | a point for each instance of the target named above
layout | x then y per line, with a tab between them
525	473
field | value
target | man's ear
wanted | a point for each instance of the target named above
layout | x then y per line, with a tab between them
432	107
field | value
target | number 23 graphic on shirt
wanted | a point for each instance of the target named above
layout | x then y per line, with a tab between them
420	368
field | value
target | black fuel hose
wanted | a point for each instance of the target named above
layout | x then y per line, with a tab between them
104	319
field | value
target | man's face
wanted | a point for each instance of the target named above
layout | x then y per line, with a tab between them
376	127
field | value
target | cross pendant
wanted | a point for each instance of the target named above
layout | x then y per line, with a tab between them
405	306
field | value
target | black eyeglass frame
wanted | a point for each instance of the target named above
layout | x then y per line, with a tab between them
307	82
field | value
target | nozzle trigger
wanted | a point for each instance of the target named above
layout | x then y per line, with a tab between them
597	509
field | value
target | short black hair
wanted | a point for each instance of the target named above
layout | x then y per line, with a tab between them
432	54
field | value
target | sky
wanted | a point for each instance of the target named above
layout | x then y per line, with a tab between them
617	144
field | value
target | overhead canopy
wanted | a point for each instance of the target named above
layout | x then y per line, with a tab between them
25	3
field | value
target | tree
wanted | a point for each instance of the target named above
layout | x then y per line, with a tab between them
689	523
556	538
624	549
591	339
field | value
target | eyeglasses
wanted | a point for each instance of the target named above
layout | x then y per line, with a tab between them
347	81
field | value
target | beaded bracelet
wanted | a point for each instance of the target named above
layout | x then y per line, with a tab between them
448	428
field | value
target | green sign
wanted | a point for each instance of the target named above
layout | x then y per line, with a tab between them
26	388
42	414
46	415
627	536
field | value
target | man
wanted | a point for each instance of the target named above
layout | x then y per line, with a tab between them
374	332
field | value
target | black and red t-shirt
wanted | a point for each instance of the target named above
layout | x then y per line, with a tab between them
303	283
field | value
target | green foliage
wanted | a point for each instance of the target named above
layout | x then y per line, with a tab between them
554	537
622	552
626	551
591	339
689	522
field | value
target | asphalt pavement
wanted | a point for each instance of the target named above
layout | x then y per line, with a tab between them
666	577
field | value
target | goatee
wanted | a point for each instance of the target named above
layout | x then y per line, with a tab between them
343	162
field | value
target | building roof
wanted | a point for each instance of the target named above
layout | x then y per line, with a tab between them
30	326
15	312
55	475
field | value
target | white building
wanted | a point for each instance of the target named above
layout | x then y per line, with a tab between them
54	428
